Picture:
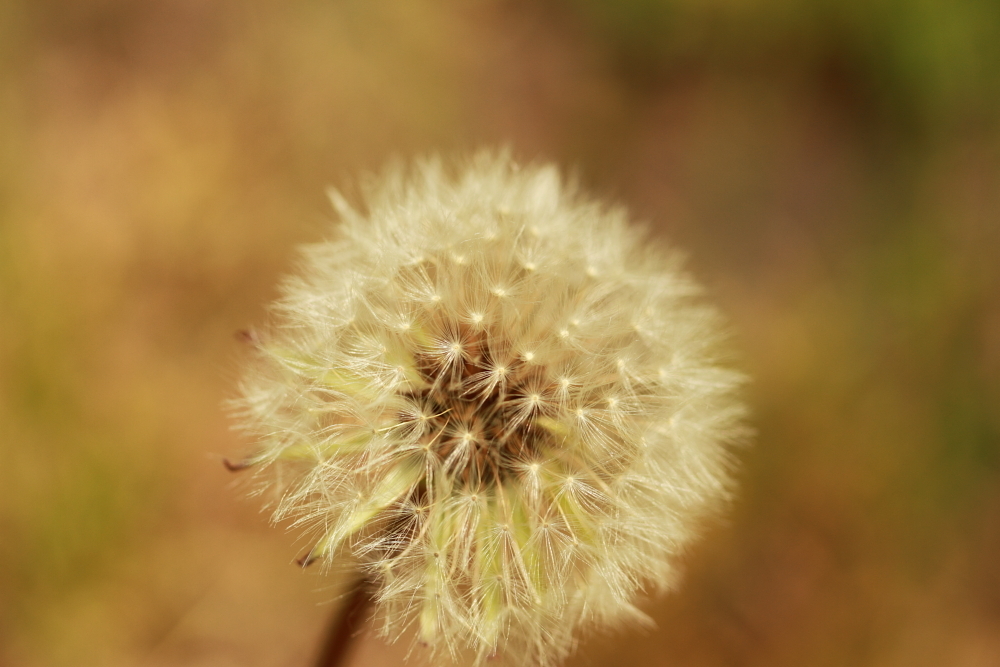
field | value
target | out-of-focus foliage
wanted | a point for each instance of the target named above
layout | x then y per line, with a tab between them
922	62
833	167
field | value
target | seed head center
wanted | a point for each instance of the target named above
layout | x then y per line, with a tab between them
471	404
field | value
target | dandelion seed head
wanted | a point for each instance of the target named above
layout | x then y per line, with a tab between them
510	448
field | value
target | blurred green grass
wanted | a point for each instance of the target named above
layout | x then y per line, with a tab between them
832	167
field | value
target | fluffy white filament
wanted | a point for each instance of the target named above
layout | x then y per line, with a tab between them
490	394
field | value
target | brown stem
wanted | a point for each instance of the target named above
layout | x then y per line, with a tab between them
344	626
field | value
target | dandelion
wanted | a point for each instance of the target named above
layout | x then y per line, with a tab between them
494	399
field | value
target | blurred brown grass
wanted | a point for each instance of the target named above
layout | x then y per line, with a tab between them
832	167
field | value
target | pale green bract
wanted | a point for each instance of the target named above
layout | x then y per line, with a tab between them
491	395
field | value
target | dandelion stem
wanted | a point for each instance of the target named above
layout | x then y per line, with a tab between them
344	625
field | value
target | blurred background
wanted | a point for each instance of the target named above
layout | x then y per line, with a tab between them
831	166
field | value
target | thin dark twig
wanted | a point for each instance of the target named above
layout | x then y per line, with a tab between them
344	626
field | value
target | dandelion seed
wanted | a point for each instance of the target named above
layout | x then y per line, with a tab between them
494	441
